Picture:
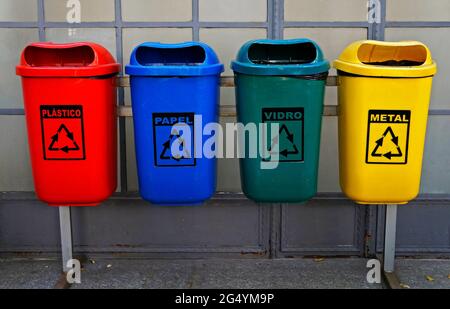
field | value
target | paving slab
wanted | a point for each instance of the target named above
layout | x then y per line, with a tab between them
28	273
215	273
424	273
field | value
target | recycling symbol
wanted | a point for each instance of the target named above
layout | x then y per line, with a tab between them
289	150
390	137
63	140
167	145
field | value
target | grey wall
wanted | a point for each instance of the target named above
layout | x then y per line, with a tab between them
229	225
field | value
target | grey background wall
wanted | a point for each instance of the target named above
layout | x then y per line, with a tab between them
229	225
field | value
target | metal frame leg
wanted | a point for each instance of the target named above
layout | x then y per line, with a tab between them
390	237
65	224
390	233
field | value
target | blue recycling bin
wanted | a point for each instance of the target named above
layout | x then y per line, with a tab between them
175	94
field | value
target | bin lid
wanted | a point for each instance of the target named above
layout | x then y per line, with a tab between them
280	57
179	59
80	59
387	59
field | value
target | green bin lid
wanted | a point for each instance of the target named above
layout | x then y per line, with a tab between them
280	57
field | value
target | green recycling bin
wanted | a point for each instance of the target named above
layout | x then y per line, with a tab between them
280	86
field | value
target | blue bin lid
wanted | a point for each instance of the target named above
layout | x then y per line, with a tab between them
280	57
180	59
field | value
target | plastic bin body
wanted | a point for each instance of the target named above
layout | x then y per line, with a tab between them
262	89
70	108
178	91
383	110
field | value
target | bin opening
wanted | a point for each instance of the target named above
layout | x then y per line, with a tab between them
270	54
371	54
187	56
78	56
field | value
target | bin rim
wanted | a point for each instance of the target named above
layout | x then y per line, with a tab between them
244	65
349	61
210	66
103	62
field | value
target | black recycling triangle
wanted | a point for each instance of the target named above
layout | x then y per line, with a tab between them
164	156
290	137
66	148
389	133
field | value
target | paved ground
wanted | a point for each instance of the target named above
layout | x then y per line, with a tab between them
28	274
222	273
424	274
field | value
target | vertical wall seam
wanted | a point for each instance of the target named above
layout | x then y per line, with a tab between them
381	33
381	27
369	221
195	20
121	98
376	31
41	20
270	19
278	19
281	19
275	20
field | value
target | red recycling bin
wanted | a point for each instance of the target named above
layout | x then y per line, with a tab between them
70	95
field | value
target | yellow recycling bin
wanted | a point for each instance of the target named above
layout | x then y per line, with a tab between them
384	92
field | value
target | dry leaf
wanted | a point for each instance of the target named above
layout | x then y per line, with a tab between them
448	276
321	259
404	286
429	278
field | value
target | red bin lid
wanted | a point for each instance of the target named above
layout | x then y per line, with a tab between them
81	59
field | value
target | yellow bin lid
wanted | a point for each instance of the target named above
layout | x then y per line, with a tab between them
387	59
